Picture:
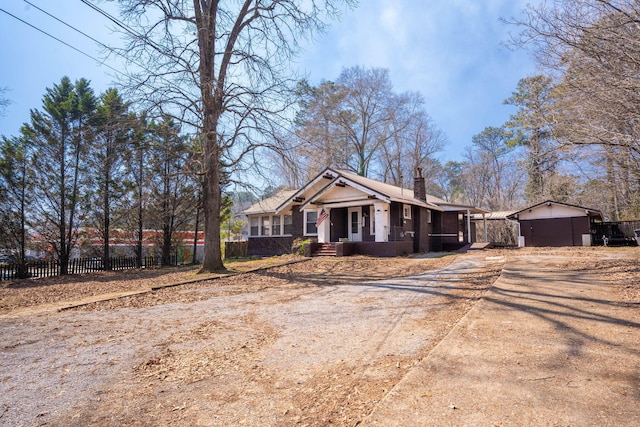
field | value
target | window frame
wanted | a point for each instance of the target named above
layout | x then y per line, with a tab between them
257	226
372	220
406	211
267	223
284	225
306	222
274	225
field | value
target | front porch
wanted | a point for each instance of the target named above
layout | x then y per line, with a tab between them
364	222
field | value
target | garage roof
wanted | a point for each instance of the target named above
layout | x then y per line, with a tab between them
579	210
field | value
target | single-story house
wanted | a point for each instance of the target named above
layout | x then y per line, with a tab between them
556	224
343	213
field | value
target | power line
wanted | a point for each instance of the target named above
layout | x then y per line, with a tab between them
125	27
68	25
112	18
119	24
109	48
60	41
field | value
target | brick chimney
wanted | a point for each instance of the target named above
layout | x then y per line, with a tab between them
419	187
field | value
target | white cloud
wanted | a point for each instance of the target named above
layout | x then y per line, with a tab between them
449	50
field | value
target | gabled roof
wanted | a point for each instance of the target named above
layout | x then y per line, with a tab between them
298	196
374	190
270	204
588	211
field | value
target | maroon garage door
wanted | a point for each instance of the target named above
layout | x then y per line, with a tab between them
554	231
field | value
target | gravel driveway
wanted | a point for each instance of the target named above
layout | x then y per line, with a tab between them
276	351
553	341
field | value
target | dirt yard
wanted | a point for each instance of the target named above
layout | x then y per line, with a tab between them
315	342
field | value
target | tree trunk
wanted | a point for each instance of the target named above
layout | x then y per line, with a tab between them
62	230
140	211
166	245
106	256
212	200
194	258
212	90
23	272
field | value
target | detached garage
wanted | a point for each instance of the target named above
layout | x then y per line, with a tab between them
556	224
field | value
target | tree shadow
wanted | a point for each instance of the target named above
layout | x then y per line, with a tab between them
555	299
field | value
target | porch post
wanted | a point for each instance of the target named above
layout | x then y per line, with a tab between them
468	226
382	221
484	222
324	230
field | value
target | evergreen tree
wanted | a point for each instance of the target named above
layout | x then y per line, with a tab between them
15	199
60	135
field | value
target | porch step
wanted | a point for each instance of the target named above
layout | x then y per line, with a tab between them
327	249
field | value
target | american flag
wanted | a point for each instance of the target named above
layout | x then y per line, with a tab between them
323	215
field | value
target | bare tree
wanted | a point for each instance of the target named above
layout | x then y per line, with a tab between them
592	49
415	139
224	69
322	139
490	176
360	124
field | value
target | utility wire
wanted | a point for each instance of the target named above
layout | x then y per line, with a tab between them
112	18
125	27
68	25
109	48
61	41
115	21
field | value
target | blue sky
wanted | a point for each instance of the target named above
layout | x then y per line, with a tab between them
449	50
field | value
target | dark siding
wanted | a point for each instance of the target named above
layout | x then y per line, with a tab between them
277	245
268	246
366	231
297	220
422	229
399	225
450	223
384	249
436	228
395	214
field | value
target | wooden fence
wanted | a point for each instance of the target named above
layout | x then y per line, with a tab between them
8	271
235	249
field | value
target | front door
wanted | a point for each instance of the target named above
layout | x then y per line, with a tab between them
355	224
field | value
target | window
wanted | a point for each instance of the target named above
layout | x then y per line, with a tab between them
355	224
275	226
288	224
429	216
406	211
372	220
310	218
264	229
254	229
